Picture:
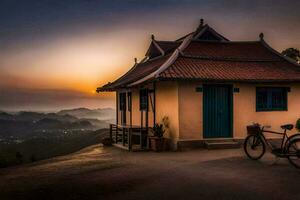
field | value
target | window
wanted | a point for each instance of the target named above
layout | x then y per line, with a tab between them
129	101
144	99
271	98
122	97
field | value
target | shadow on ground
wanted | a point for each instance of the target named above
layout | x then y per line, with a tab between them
97	173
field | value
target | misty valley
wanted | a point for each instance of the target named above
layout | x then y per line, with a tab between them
31	136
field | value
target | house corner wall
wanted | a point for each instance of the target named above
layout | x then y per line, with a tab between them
167	106
244	109
184	106
190	111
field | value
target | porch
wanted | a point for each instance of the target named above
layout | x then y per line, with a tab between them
130	137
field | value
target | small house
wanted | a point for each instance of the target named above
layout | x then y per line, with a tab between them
208	87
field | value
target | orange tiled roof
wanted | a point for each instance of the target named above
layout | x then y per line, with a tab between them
210	57
242	71
138	71
237	50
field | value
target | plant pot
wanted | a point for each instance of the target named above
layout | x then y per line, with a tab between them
157	144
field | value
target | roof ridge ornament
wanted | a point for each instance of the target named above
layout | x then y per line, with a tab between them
135	60
152	37
201	22
201	25
261	36
203	28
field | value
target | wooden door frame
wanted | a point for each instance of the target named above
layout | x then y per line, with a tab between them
231	110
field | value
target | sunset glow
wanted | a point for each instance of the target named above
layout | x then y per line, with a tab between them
92	47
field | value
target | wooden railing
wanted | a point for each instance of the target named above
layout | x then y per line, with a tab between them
127	135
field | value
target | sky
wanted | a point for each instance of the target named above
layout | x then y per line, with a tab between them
55	53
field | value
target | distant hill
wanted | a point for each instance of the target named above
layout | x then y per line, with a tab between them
101	113
50	124
29	124
38	148
96	122
30	136
35	116
5	116
69	115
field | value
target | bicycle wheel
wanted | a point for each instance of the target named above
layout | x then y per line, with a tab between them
293	151
291	138
254	147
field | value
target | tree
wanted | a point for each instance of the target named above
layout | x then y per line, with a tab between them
292	53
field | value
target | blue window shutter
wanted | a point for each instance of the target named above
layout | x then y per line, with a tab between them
271	98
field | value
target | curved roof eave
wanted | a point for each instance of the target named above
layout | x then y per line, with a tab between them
166	64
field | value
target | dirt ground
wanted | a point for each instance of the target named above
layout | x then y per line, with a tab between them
110	173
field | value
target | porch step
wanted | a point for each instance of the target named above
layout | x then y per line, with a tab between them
221	144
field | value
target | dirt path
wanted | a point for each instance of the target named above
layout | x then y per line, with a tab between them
97	173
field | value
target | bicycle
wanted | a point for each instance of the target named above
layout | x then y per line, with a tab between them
255	144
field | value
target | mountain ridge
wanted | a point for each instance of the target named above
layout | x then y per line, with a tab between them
99	113
26	123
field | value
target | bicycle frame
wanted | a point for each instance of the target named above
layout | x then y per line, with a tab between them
283	140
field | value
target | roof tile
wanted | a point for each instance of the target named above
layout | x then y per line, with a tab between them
137	72
191	68
236	50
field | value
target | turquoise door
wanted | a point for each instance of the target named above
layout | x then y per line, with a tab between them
217	111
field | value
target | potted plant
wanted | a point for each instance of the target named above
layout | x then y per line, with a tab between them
157	142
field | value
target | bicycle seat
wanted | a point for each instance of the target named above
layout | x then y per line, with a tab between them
287	126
